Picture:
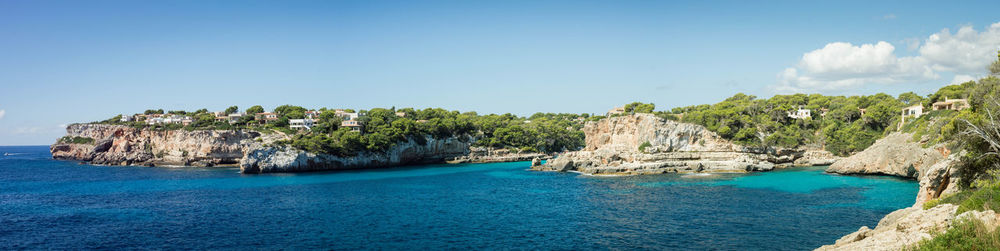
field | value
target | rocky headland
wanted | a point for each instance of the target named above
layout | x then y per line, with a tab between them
646	144
255	152
123	145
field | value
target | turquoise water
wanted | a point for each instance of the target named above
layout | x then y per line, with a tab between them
64	205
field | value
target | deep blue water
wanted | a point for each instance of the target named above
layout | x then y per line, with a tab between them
48	204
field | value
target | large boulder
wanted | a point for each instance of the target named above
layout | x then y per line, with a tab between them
894	155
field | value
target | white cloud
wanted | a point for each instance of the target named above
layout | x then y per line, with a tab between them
841	65
958	79
965	52
2	112
889	16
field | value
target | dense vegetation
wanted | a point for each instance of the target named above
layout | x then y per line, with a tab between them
836	122
976	131
542	132
76	140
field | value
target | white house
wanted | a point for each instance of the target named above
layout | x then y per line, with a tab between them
913	111
951	104
348	115
354	125
235	117
800	114
301	124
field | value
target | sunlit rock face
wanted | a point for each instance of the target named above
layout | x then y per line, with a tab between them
613	148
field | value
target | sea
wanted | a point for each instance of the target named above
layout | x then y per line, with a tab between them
51	204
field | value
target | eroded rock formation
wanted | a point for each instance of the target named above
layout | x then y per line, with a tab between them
646	144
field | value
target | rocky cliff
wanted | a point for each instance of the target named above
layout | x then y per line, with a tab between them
613	148
937	173
254	152
287	159
895	155
123	145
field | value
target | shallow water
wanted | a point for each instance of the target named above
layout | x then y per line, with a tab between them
62	204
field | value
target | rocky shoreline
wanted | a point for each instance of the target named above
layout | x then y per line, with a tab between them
646	144
933	167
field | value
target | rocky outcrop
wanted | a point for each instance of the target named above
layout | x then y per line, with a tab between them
894	155
938	180
123	145
899	229
646	144
815	157
490	155
907	226
287	159
937	173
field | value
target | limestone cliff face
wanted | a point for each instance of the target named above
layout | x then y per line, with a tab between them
893	155
287	159
123	145
612	148
490	155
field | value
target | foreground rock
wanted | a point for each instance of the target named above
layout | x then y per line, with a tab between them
938	176
613	148
905	227
287	159
899	229
895	155
123	145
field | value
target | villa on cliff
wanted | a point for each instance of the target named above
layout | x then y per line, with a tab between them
301	124
951	104
801	113
159	119
354	125
266	117
913	111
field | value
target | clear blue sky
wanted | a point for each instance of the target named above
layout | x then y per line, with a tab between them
77	61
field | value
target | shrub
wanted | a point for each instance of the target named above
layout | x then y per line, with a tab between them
76	140
963	235
644	145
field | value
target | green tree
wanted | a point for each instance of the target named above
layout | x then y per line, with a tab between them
910	98
232	109
255	109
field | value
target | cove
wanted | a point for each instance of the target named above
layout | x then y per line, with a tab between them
60	204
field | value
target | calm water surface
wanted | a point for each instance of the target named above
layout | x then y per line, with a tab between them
59	204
